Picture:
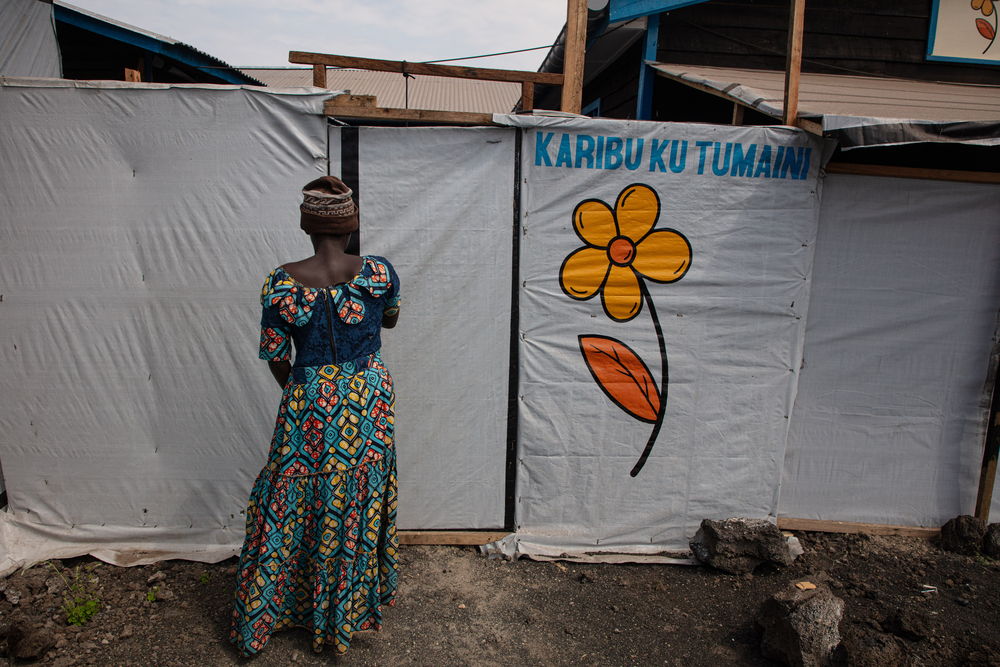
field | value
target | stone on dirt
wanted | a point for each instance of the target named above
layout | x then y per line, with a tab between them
26	642
801	627
963	535
14	591
157	577
991	542
739	545
909	624
869	648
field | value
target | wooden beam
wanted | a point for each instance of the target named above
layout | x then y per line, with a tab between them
464	537
527	96
988	471
354	101
793	60
737	114
821	526
319	76
410	115
573	55
427	69
913	172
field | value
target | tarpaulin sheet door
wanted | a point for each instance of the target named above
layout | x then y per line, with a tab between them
890	416
438	203
635	231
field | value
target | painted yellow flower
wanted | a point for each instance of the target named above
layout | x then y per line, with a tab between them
621	245
986	6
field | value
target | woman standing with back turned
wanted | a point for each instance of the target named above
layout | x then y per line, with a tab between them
320	549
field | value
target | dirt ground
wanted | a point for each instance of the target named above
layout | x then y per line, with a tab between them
458	608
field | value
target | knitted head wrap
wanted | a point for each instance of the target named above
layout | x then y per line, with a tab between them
327	207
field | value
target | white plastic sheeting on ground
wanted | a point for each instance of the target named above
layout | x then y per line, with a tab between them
747	200
28	45
139	221
439	203
890	417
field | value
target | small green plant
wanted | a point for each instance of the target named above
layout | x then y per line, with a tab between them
203	579
80	602
151	594
79	610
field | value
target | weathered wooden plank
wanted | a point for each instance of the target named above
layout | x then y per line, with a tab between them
427	69
991	447
411	115
913	172
319	76
347	100
527	96
573	55
793	61
737	114
821	526
462	537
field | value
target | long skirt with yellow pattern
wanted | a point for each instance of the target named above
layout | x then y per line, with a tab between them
321	548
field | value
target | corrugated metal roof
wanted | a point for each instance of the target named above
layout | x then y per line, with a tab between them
845	95
425	92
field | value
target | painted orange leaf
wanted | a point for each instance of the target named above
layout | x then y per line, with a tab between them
985	29
622	375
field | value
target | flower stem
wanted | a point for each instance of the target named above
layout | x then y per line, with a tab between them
663	382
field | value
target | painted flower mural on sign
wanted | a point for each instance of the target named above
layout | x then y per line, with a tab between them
988	29
622	249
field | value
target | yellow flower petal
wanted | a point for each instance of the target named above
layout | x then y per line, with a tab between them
987	7
636	210
976	4
663	256
621	295
594	222
583	272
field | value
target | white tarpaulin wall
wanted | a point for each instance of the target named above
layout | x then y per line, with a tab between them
138	221
889	422
138	224
439	203
747	201
28	45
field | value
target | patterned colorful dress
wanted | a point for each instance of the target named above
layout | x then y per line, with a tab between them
320	549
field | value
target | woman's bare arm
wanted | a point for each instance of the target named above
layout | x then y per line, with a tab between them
280	370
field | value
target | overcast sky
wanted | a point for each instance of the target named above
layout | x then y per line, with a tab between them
262	32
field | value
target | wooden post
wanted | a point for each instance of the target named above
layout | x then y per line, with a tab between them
988	472
737	114
793	60
573	55
527	96
319	76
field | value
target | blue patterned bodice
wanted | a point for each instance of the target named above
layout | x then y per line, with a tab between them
351	311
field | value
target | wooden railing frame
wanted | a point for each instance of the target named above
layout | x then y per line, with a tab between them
528	80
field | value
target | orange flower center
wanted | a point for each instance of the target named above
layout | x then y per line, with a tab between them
621	251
